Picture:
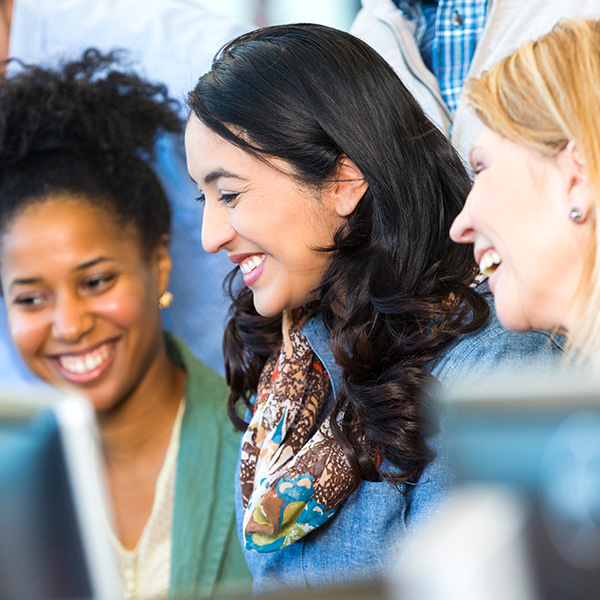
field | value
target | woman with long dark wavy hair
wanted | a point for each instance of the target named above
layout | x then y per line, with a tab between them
333	194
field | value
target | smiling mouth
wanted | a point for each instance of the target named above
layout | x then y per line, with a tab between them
86	363
489	262
252	262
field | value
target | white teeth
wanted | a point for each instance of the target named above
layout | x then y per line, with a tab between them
251	263
489	262
86	363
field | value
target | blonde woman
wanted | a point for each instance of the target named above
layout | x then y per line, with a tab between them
531	214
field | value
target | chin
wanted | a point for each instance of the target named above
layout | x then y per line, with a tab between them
513	320
104	407
267	309
268	306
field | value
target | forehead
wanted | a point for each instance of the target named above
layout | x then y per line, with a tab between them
488	138
60	222
210	156
207	150
64	208
491	147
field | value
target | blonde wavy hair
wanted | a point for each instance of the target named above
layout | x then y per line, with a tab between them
542	96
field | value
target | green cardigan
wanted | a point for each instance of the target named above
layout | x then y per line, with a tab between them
206	553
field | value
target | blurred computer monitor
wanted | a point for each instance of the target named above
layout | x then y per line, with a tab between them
541	437
53	523
524	522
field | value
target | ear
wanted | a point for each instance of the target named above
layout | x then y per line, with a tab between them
576	178
162	264
348	188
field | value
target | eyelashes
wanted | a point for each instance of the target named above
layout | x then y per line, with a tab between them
228	198
225	197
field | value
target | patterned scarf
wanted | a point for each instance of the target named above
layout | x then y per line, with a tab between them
293	473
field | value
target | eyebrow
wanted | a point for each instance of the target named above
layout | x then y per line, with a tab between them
81	267
25	281
214	175
93	262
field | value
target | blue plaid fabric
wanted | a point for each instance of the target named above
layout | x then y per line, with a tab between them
447	33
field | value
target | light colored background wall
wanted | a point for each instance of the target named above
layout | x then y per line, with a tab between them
336	13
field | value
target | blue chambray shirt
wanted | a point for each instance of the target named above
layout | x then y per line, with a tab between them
368	530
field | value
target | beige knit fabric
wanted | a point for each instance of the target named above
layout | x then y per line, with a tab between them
146	570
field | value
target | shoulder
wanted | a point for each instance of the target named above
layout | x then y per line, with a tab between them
493	346
205	550
206	430
378	18
204	387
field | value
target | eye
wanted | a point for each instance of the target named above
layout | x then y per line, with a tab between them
30	300
201	197
478	167
99	283
228	198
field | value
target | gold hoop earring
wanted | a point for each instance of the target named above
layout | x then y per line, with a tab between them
165	300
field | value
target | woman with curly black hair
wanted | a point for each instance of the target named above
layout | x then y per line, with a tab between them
327	186
84	268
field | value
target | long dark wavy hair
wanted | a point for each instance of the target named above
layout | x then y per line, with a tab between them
87	129
397	291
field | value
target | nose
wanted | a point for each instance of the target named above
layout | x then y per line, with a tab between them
217	231
462	230
71	320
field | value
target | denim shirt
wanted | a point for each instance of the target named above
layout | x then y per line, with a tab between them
366	532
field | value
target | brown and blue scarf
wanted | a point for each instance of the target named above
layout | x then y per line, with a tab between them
293	474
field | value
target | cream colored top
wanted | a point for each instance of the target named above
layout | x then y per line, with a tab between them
146	569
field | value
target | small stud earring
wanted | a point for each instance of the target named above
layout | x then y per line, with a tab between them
576	215
165	300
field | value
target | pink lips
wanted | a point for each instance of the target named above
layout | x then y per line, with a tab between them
249	278
493	278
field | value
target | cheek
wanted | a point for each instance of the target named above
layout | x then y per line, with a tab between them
124	309
499	190
28	332
257	226
133	304
482	204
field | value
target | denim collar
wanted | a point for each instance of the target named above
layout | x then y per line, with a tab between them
318	338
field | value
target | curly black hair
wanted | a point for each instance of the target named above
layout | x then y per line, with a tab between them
397	291
86	129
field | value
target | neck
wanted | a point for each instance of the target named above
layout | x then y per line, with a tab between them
144	420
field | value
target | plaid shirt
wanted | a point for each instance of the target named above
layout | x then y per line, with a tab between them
447	33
